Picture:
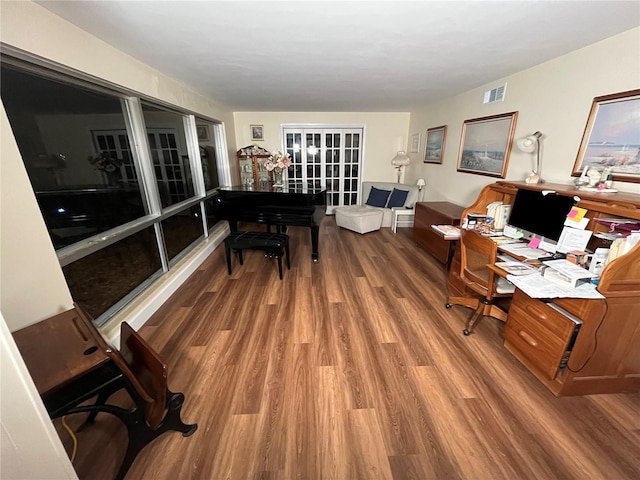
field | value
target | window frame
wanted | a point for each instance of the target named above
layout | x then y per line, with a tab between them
131	103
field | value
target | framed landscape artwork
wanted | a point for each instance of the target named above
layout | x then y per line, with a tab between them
485	144
434	145
611	138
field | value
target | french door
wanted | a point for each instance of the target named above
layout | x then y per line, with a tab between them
329	157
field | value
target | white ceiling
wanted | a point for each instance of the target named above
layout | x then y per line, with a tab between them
347	55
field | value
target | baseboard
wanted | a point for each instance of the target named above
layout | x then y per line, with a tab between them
146	304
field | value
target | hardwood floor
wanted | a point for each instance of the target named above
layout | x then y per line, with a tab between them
352	368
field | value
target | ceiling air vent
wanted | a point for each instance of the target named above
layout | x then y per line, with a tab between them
495	94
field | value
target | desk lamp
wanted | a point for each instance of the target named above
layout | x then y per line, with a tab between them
420	183
400	161
528	144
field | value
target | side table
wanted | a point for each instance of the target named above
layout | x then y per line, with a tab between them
398	212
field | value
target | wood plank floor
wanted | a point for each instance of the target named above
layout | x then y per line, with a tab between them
352	368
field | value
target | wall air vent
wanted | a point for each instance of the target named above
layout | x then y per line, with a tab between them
495	94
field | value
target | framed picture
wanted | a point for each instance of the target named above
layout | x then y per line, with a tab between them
612	137
203	132
486	144
434	146
257	132
415	143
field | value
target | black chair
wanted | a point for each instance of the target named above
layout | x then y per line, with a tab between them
276	244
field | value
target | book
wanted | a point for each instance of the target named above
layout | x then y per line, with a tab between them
516	268
448	231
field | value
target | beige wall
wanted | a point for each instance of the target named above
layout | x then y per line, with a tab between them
31	282
554	97
385	134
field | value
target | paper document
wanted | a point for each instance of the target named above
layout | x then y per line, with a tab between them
573	239
536	286
516	268
523	250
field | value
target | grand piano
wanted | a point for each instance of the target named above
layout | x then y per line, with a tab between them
293	204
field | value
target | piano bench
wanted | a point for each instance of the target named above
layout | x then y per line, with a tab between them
272	243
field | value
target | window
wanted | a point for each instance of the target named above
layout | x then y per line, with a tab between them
118	216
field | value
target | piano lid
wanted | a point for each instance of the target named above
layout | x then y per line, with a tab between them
266	187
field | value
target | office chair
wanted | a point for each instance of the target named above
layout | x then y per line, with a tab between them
476	253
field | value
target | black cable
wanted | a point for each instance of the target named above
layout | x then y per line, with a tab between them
595	343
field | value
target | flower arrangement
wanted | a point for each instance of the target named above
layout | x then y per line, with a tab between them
278	162
103	161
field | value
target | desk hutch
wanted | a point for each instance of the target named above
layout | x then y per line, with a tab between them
604	357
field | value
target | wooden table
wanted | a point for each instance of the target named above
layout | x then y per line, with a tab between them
436	213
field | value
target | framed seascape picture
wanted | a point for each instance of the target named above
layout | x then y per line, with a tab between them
415	143
485	144
257	132
611	138
434	145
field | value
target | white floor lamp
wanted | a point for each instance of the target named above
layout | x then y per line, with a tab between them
400	161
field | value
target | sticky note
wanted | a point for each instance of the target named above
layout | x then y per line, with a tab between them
534	243
576	214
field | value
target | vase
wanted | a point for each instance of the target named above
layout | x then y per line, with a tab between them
113	179
277	177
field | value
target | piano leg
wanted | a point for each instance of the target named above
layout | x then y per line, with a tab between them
314	242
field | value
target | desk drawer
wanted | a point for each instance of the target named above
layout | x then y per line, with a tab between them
538	332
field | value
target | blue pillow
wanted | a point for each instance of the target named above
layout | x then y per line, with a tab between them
377	197
397	198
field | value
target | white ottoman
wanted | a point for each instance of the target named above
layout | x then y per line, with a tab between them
359	218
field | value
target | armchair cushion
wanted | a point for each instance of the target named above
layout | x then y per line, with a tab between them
377	197
397	198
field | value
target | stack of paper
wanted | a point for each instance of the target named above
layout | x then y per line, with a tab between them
449	231
516	268
565	273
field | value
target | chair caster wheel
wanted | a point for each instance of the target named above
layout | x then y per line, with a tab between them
466	332
447	305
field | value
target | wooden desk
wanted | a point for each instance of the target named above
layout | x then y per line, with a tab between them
603	356
435	213
61	349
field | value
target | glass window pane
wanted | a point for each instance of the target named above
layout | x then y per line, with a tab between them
67	136
167	141
103	278
181	230
208	156
211	209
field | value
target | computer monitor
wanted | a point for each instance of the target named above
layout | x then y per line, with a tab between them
540	213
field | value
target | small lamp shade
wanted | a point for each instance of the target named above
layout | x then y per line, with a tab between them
528	144
421	183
